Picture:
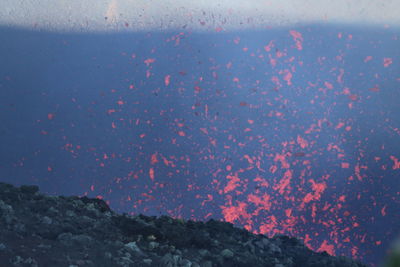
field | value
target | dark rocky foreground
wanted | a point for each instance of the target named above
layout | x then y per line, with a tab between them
39	230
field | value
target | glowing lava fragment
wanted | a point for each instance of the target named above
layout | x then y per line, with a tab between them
298	38
167	80
302	142
326	247
288	77
340	125
383	211
345	165
268	47
328	85
151	174
387	62
353	97
396	162
149	61
368	58
284	182
154	159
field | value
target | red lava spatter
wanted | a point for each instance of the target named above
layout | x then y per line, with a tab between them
280	187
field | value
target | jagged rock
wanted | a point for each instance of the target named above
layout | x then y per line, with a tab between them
226	253
153	245
148	261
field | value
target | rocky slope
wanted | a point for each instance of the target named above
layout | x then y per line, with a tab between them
40	230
